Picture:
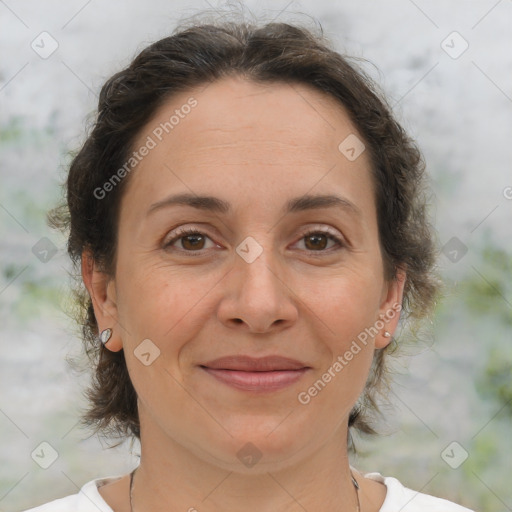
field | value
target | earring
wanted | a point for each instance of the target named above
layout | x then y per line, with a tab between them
105	335
387	334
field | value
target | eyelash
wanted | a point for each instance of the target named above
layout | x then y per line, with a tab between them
184	232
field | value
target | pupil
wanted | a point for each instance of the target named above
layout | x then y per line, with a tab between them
316	238
195	242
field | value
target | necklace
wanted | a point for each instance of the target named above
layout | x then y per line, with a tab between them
354	482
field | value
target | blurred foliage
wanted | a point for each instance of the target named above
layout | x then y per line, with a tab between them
496	382
17	129
12	131
34	295
9	271
486	291
38	296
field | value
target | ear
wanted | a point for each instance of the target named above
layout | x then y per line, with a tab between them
101	288
391	305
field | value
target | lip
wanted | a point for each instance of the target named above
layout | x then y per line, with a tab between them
255	364
259	375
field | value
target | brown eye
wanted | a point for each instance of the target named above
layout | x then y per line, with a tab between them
317	241
192	240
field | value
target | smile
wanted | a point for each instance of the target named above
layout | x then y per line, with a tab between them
257	381
256	374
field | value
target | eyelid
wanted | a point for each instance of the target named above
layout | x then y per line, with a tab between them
334	234
323	228
331	233
181	232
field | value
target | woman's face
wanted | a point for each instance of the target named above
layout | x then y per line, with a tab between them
252	282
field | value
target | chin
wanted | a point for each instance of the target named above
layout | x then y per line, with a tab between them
259	447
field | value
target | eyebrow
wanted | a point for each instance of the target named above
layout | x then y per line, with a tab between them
217	205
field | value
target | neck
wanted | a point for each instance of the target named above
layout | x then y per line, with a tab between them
172	475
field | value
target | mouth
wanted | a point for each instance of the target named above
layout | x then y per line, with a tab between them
259	375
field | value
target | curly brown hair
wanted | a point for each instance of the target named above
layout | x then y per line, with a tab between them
199	54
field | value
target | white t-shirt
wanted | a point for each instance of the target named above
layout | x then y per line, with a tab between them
398	499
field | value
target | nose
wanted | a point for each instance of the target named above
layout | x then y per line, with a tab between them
258	297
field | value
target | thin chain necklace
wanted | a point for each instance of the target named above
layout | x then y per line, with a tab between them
354	482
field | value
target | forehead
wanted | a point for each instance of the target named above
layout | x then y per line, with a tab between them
297	113
265	135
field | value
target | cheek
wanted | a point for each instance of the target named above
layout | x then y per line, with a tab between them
345	315
348	354
160	307
344	303
164	304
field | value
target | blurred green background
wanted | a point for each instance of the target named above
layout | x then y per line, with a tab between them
454	385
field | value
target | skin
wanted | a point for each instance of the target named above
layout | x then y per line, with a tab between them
255	146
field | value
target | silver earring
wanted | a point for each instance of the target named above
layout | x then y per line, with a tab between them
105	335
387	334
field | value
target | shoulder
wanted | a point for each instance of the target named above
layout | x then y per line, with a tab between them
398	497
88	499
404	499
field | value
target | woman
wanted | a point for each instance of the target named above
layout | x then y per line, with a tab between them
249	220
